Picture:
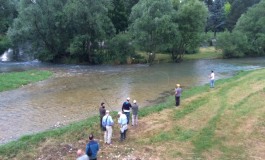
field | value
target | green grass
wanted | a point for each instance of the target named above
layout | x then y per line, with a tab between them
204	53
9	81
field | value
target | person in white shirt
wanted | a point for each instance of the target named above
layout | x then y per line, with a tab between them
211	79
123	125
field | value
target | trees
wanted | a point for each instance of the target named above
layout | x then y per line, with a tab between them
63	28
191	20
248	36
216	19
152	24
238	7
7	14
119	15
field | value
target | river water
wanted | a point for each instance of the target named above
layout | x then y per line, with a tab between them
75	91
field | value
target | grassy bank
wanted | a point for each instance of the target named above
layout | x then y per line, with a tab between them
14	80
227	122
204	53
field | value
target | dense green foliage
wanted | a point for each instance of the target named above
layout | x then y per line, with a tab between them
70	31
248	37
7	14
163	25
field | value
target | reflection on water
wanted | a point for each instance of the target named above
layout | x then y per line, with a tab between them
75	92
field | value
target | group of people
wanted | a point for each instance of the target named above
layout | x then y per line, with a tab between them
106	124
106	121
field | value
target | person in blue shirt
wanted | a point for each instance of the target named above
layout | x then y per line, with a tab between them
123	125
108	123
93	146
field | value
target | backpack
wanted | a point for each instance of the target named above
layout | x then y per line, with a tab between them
89	151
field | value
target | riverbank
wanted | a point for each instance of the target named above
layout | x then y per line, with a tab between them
203	53
15	80
227	122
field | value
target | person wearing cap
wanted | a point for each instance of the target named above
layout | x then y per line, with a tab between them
126	106
134	113
93	146
178	92
102	112
81	155
123	125
108	123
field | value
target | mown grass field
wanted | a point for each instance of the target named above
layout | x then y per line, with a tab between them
226	122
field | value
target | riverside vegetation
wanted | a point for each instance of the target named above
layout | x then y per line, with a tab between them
227	122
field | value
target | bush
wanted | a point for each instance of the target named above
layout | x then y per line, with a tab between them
120	49
232	44
4	44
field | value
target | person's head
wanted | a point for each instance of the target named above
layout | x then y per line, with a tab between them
91	137
212	71
128	99
178	85
119	113
80	152
134	101
102	104
107	111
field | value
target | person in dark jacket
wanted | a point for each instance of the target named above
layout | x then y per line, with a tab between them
93	146
102	112
126	106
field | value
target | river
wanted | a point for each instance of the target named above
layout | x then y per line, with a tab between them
75	91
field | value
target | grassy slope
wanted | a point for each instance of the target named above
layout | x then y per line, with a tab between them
227	122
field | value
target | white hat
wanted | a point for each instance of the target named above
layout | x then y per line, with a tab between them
119	113
128	98
134	101
107	111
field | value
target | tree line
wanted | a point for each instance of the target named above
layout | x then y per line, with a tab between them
110	31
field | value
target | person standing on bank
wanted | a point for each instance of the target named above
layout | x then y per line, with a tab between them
102	112
134	113
93	147
178	92
211	79
123	125
126	106
108	123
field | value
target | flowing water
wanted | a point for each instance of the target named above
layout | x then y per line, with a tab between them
75	92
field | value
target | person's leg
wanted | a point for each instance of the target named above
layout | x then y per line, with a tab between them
125	133
136	119
177	101
128	117
109	135
133	119
106	136
122	136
